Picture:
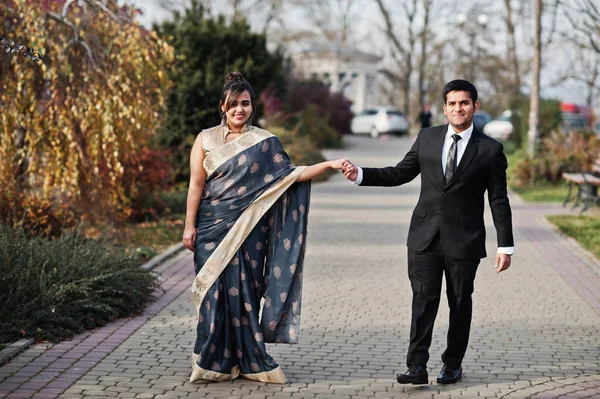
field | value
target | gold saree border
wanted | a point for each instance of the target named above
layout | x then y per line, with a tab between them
200	374
216	157
275	376
233	240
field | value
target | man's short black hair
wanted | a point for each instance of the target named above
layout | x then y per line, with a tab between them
460	85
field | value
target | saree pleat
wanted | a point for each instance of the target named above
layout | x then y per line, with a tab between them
250	242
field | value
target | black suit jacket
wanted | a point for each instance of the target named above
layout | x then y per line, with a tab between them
454	209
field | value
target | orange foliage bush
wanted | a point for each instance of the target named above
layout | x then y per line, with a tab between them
558	153
34	215
150	173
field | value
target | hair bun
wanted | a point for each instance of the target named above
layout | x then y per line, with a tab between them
233	77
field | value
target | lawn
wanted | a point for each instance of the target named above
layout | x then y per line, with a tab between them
585	229
543	192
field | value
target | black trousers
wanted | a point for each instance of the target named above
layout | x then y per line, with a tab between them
425	270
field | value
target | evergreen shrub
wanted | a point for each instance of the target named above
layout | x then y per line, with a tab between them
53	289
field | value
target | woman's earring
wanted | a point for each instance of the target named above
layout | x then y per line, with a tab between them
223	116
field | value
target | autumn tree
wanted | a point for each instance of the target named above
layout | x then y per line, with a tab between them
71	128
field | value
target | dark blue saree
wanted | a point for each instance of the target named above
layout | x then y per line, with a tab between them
250	242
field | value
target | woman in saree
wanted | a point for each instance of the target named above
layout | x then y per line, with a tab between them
246	221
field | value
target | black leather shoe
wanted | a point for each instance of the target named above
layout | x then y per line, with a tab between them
448	375
414	375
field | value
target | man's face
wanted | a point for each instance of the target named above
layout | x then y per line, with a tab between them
459	109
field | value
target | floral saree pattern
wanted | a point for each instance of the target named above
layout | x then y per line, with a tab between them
249	251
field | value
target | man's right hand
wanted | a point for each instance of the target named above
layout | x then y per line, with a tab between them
350	170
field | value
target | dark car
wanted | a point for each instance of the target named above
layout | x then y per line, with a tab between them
480	119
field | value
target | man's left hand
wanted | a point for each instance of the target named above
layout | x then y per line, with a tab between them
502	262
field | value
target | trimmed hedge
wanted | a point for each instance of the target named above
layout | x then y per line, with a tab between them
53	289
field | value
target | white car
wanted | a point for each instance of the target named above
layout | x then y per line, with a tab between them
501	127
375	121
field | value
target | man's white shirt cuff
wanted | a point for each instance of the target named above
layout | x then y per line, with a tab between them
359	177
506	250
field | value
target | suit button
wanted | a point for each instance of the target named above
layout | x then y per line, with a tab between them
444	193
441	212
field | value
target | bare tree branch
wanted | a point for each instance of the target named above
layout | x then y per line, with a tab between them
402	53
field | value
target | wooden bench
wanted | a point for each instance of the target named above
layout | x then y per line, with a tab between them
587	183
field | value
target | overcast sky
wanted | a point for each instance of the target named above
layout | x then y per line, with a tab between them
569	92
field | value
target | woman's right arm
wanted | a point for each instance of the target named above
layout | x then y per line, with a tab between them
197	182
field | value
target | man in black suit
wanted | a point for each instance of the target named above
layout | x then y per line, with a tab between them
457	164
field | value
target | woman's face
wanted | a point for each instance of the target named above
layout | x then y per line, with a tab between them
239	112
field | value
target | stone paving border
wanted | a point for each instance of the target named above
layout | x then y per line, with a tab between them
49	372
573	263
14	349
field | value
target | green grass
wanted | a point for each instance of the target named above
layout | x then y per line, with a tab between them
584	229
543	192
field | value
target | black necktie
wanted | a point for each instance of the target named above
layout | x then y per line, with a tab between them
452	157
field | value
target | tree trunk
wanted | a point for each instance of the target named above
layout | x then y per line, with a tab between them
512	50
533	134
423	60
514	96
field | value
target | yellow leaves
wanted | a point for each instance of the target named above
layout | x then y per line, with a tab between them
90	123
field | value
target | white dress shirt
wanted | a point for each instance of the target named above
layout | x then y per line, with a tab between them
465	136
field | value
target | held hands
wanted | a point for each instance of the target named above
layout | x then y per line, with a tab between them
502	262
189	237
349	170
338	164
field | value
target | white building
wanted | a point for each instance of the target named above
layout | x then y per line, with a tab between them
347	70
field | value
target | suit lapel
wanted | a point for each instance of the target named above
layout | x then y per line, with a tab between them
467	157
437	146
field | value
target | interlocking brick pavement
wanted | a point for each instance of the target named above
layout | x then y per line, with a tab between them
535	327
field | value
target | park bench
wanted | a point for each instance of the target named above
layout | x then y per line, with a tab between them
587	183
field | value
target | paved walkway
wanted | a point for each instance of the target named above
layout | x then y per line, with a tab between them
536	327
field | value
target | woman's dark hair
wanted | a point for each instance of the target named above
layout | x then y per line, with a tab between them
460	85
234	85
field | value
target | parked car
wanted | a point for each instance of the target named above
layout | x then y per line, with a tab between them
480	119
375	121
501	127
